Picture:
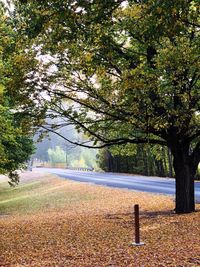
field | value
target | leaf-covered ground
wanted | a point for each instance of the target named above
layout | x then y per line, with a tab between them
47	221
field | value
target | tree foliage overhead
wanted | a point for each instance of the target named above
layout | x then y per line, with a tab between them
123	71
136	64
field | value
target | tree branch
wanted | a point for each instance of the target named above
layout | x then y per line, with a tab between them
111	142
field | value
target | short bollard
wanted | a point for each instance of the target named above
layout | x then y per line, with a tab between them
137	227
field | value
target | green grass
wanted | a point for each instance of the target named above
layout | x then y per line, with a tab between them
38	196
9	192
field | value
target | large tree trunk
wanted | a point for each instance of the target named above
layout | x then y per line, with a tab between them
184	174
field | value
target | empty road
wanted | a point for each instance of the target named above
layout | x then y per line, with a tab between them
132	182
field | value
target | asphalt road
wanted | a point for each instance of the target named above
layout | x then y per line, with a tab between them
132	182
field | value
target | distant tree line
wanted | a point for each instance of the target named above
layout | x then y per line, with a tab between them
145	161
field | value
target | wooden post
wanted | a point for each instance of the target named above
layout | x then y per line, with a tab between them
137	224
137	227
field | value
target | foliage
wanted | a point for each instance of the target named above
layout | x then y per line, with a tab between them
16	144
121	70
57	155
15	147
82	157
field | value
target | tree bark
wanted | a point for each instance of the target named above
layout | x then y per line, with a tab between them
184	174
170	162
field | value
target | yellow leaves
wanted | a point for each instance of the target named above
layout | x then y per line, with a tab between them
20	59
176	58
95	230
159	10
1	90
85	58
134	12
174	11
101	71
88	57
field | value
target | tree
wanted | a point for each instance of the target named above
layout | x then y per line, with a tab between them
123	72
57	155
16	145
